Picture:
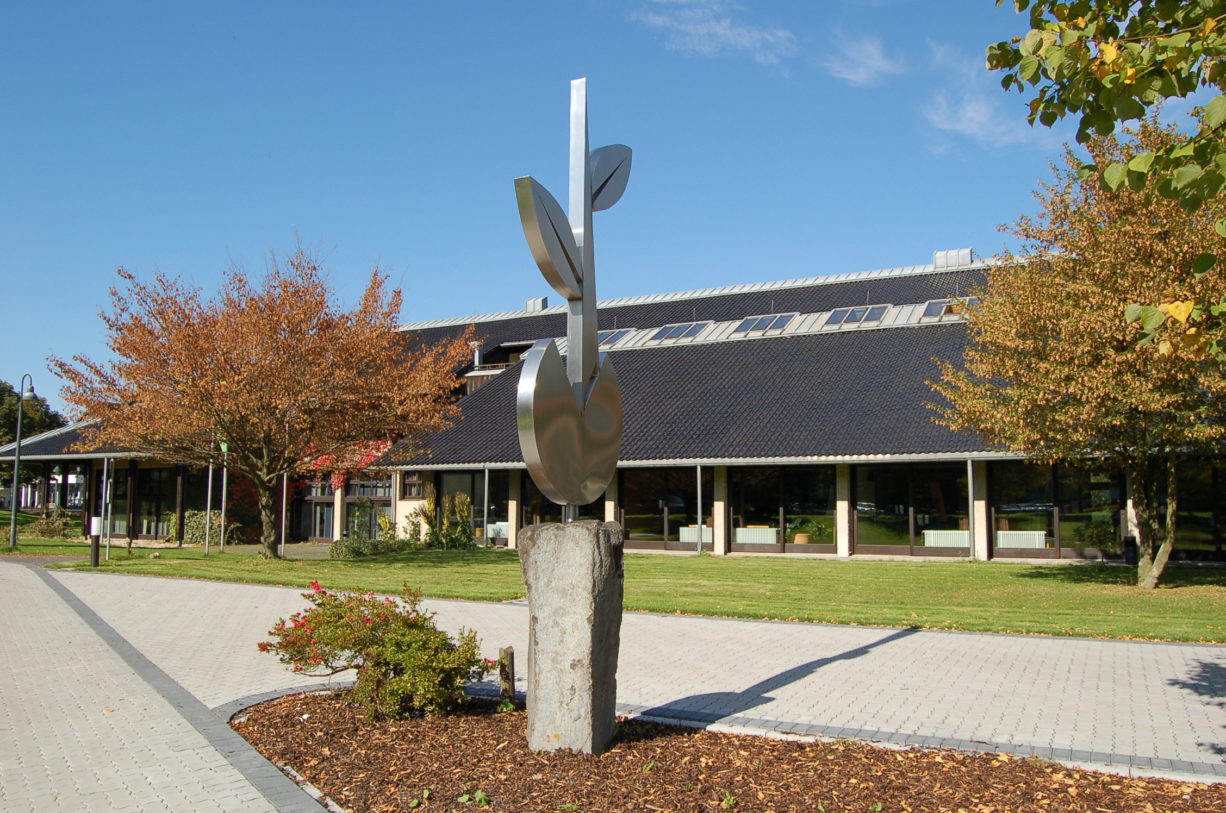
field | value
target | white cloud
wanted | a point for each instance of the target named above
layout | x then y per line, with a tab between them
969	101
861	61
707	28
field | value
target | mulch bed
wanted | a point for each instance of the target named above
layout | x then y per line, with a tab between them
460	762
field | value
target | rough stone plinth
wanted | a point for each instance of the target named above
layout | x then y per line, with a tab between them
573	573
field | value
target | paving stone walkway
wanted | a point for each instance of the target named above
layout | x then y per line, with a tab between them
115	689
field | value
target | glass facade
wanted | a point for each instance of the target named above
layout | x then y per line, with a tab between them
809	504
536	508
773	506
472	485
1054	510
1200	513
912	508
661	505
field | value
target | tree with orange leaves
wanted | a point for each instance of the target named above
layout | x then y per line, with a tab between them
274	370
1053	369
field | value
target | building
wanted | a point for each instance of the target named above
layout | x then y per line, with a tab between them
788	417
783	417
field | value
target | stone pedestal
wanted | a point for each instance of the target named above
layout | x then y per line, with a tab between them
573	573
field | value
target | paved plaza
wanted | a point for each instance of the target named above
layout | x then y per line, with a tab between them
116	689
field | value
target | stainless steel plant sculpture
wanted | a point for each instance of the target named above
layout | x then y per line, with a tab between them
570	419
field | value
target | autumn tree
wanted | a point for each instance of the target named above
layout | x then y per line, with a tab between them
36	417
1054	372
275	371
1112	61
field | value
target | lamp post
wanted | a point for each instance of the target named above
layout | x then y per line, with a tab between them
27	394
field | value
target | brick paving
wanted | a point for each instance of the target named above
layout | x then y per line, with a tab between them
1137	707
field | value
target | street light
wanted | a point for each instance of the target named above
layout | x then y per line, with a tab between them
26	395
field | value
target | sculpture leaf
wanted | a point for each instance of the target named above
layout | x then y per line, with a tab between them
549	237
610	172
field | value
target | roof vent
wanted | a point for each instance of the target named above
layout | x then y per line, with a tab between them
536	304
953	258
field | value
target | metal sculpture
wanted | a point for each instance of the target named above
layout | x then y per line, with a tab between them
570	418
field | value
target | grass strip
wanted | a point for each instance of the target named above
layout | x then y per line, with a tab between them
1077	600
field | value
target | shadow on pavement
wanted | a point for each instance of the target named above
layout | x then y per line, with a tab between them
713	706
1207	680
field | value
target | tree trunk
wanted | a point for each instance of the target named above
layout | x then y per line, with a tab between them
1141	481
268	517
1150	578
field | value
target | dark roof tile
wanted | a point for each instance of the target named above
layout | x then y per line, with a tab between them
849	393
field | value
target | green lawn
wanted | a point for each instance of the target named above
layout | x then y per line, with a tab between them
1080	600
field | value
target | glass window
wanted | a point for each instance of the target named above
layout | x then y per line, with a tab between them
836	317
755	501
411	487
782	321
935	309
321	520
855	315
939	502
661	504
769	323
808	502
1022	499
155	495
1090	503
882	502
362	518
1201	510
641	494
608	337
876	313
376	485
537	508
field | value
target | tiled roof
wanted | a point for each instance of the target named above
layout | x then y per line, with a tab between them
59	443
855	394
817	296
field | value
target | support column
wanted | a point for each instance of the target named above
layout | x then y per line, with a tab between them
980	532
610	501
44	500
61	495
338	513
719	512
180	509
514	514
133	501
573	574
87	495
842	509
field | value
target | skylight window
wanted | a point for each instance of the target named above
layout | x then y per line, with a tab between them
683	331
940	308
856	316
608	337
773	323
837	316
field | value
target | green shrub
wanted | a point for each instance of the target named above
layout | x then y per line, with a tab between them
55	524
405	664
1097	533
193	528
453	532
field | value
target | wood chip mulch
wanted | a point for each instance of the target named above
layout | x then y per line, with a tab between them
478	759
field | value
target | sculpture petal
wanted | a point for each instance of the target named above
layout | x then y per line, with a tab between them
570	453
610	172
550	238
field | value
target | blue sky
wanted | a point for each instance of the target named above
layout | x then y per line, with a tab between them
771	140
